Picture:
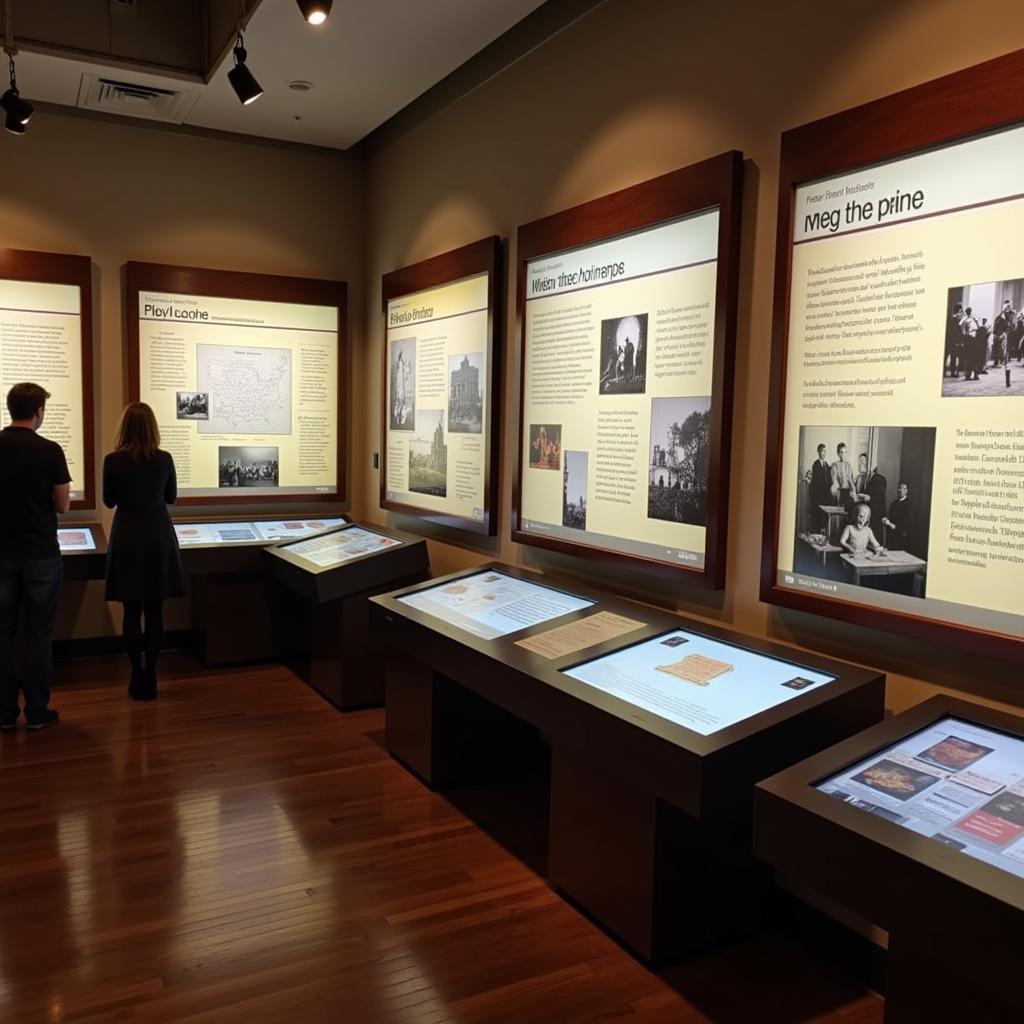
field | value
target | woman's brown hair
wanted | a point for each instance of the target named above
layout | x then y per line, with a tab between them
137	433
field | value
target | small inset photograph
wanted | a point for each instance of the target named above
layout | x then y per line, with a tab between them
953	753
428	455
247	466
402	384
895	780
798	683
983	356
574	490
677	473
466	393
545	446
624	355
863	506
674	641
193	405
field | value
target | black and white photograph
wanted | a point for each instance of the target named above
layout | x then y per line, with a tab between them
863	506
193	405
402	384
545	446
466	393
428	455
624	355
677	473
247	466
983	355
574	490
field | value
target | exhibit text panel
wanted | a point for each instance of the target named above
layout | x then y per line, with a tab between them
436	398
219	533
902	474
41	343
618	359
696	682
957	782
332	549
245	392
491	604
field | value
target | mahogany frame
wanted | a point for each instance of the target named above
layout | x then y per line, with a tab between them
955	107
230	284
58	268
481	257
716	182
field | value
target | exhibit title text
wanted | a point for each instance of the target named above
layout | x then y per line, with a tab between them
151	311
409	316
575	278
857	213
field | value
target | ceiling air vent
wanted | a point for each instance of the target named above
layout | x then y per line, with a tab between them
134	100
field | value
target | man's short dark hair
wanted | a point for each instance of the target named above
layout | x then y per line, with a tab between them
24	400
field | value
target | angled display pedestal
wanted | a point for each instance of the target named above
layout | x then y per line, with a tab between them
335	573
83	548
236	616
658	728
917	825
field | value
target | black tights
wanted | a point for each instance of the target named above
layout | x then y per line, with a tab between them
135	641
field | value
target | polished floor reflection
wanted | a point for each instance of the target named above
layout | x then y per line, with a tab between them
239	851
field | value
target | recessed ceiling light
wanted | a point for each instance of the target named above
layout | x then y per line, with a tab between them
299	85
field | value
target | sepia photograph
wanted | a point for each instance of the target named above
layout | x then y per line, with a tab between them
428	455
624	355
677	473
545	446
465	393
574	490
247	466
863	506
983	355
402	384
193	405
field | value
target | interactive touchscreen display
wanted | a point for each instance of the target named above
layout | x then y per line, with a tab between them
702	684
901	476
202	534
332	549
436	395
78	538
618	351
955	782
245	392
491	604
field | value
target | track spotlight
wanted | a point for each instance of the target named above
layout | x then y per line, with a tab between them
315	11
18	111
14	126
241	78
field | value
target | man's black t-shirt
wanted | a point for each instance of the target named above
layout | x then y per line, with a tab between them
30	468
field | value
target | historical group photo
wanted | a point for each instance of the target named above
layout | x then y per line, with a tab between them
545	446
247	466
193	405
863	506
983	354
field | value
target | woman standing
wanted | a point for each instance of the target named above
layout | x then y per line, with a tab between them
143	564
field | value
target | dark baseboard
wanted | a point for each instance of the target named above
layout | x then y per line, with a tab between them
108	646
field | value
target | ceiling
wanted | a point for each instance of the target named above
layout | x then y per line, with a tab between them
368	61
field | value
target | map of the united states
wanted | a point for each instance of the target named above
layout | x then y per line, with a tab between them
250	389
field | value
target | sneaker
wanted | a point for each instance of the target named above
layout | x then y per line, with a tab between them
43	719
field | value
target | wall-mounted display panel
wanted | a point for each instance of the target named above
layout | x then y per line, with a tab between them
958	782
627	312
245	373
895	471
46	339
695	681
493	604
441	387
258	532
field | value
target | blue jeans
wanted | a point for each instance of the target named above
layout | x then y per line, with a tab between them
32	585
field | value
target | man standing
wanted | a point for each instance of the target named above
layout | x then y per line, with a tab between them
34	487
819	479
842	480
902	522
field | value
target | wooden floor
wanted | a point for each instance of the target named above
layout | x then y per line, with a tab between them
239	851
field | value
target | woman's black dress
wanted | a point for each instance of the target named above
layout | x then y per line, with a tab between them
143	563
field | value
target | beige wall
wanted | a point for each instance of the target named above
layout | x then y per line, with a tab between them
638	88
118	192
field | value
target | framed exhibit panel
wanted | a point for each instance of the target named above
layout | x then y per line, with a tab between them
441	388
46	338
894	494
246	375
917	825
626	307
